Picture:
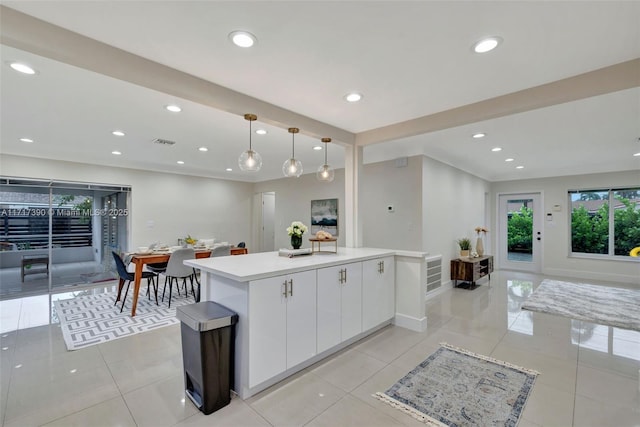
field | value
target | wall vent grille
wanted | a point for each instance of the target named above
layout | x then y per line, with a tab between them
163	141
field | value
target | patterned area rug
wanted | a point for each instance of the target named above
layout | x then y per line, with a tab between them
93	319
454	387
596	304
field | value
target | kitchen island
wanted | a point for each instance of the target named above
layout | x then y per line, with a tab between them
296	311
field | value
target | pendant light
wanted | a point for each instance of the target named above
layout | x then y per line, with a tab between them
292	167
250	160
325	172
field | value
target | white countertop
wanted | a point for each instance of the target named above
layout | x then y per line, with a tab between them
243	268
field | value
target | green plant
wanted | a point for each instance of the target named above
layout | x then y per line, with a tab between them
465	244
520	230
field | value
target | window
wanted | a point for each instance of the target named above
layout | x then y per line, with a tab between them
598	229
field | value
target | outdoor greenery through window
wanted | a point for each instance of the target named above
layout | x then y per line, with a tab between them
605	221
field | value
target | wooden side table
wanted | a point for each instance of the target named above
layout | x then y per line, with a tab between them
313	241
471	270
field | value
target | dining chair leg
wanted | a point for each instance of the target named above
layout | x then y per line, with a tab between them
171	287
195	275
193	291
156	282
165	287
125	296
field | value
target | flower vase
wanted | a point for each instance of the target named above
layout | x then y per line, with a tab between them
296	241
479	246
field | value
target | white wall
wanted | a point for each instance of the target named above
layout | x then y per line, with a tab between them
453	206
435	205
384	184
293	203
164	207
556	236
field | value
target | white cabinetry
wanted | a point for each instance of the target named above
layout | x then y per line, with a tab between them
282	330
378	291
339	304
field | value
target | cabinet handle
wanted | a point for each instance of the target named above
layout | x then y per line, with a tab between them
290	287
285	289
381	267
345	275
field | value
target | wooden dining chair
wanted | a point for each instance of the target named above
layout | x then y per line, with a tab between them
128	277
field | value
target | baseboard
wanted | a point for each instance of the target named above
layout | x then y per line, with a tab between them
411	323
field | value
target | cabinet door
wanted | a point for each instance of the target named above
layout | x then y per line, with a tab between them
378	291
351	301
301	317
267	329
329	317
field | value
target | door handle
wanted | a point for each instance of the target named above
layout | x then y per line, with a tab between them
285	289
290	287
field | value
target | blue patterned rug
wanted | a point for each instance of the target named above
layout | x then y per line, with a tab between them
604	305
93	319
454	387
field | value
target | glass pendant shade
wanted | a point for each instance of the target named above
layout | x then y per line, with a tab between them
325	172
250	160
292	168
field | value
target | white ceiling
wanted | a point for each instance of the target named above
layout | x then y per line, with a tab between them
409	59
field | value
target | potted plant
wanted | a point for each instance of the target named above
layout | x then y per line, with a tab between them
465	246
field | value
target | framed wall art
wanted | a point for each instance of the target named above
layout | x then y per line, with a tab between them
324	216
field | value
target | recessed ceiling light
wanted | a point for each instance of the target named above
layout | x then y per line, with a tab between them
23	68
27	140
353	97
520	167
229	169
317	148
116	153
242	38
478	135
496	149
261	132
173	108
203	149
487	44
180	162
118	133
509	160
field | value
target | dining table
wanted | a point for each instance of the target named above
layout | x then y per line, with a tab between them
140	260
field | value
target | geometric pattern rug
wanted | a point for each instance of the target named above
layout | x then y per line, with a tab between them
455	387
603	305
93	319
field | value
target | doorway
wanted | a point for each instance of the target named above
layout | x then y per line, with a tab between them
264	217
520	232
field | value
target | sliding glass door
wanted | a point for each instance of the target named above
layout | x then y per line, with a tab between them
51	234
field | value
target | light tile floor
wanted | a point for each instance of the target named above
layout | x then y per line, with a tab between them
589	373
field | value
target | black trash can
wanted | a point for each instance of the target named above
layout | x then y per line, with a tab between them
207	330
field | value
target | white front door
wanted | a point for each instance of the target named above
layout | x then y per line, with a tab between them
520	232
